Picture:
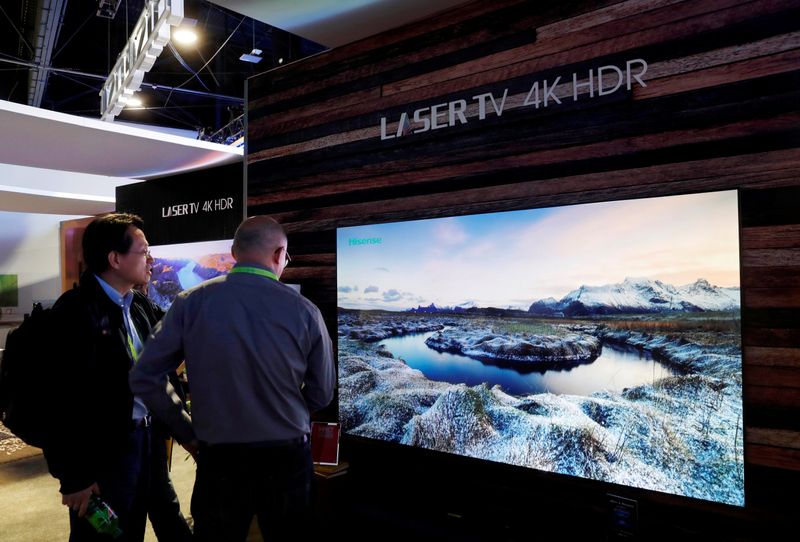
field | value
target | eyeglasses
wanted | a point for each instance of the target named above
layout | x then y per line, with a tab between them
145	253
287	259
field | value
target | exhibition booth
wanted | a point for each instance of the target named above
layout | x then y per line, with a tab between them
558	249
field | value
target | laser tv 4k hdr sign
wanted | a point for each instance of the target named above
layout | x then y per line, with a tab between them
192	207
536	93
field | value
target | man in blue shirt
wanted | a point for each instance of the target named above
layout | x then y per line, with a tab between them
104	440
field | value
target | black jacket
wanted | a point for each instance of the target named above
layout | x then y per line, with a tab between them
93	418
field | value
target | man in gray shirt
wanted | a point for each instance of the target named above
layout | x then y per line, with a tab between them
258	358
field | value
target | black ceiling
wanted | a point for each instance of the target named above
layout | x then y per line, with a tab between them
88	45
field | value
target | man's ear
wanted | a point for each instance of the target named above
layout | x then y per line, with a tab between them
277	255
113	260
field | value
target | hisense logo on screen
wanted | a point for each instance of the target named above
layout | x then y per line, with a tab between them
364	241
599	340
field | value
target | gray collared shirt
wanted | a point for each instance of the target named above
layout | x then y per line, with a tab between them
258	359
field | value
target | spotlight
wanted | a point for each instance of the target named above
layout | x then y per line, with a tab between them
185	35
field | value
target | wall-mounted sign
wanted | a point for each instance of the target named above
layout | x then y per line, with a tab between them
603	81
204	205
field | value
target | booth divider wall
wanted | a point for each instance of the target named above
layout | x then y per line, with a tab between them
517	104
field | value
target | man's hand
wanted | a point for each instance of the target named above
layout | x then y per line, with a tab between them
192	447
80	501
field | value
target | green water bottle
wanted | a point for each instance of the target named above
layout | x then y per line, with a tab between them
102	517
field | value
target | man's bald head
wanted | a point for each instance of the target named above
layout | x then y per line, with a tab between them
259	239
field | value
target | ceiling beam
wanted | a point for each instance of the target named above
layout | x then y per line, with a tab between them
51	16
154	86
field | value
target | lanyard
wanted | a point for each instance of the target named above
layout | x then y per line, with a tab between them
134	353
255	271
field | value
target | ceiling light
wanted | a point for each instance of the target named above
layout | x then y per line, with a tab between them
185	35
253	57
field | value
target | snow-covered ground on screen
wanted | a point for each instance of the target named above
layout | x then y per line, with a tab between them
679	434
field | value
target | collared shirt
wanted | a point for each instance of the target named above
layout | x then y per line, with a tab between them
258	356
124	302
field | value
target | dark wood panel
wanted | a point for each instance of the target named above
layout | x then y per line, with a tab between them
770	416
773	437
720	75
783	236
775	357
600	156
292	274
551	134
772	492
771	276
316	242
535	194
366	126
771	207
771	318
787	398
777	257
312	260
614	37
755	168
771	456
778	377
598	15
778	297
527	129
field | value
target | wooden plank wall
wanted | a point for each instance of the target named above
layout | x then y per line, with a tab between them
720	110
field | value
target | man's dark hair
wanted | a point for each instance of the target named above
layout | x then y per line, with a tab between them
107	233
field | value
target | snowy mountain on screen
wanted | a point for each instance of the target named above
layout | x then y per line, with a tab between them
432	308
640	295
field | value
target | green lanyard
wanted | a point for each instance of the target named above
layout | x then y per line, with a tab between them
255	271
134	353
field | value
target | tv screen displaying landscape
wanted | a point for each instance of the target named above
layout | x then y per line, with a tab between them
179	267
598	340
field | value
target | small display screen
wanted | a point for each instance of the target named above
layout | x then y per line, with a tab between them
179	267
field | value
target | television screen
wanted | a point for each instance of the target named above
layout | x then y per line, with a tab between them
179	267
598	340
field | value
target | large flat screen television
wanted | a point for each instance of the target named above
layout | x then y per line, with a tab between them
597	340
182	266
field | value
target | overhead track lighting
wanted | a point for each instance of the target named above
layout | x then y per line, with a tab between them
108	8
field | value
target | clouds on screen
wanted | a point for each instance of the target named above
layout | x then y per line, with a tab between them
506	259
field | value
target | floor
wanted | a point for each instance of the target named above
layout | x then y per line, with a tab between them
30	504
